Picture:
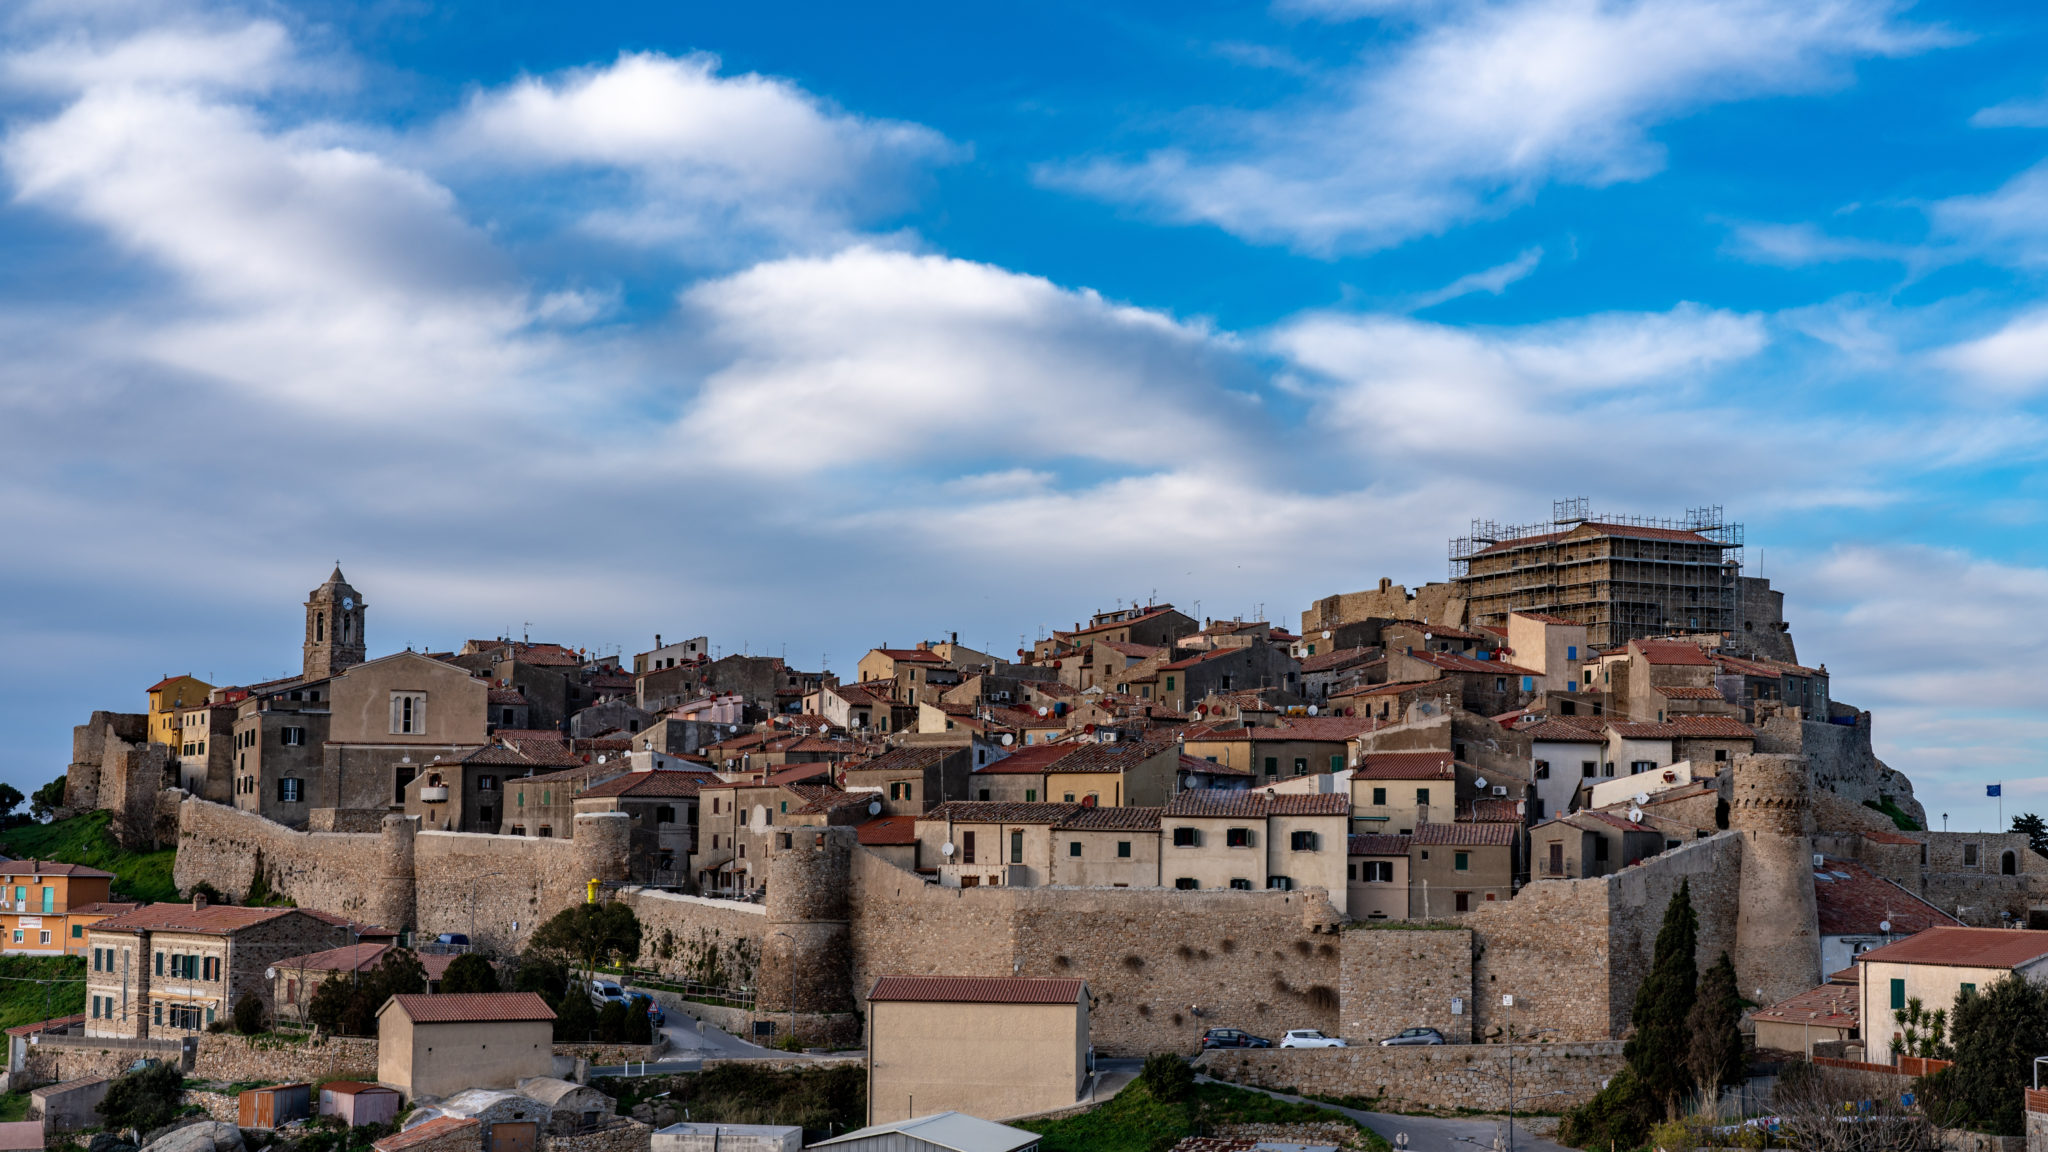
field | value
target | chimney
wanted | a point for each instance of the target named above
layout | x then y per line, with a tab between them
198	901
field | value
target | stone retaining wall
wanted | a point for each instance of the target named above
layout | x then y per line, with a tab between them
1437	1078
621	1135
604	1055
222	1106
231	1059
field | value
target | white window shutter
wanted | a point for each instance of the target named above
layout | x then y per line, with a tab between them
396	705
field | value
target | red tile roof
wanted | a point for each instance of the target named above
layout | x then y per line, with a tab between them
1891	838
1452	662
976	990
909	758
214	919
1965	948
1671	652
47	868
1338	660
467	1007
1100	819
433	1129
1075	756
1377	844
1688	692
1199	657
1466	835
1724	727
1491	811
46	1025
1830	1006
1147	614
102	908
1404	766
1210	767
901	829
1254	803
1852	901
913	655
1560	733
504	696
997	812
659	782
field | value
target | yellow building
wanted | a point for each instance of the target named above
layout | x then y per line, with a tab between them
45	907
166	698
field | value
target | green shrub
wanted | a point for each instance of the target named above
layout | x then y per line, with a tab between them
249	1014
1167	1077
470	973
145	1098
1618	1116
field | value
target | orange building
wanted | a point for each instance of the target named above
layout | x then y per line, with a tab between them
44	907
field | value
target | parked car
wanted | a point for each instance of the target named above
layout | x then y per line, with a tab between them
655	1015
1414	1036
603	992
1233	1038
1310	1038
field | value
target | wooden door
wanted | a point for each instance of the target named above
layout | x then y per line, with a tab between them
518	1136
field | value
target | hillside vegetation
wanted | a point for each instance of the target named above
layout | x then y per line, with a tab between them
85	840
25	1000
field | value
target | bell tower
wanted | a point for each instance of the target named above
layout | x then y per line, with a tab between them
334	628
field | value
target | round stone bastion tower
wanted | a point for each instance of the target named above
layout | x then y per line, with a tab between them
604	846
806	971
391	902
1777	934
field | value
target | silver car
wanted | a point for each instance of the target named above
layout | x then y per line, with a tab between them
1414	1036
1310	1038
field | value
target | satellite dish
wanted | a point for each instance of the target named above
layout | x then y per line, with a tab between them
1007	738
1479	783
874	807
1642	797
1635	814
1326	634
1041	711
1884	926
1311	709
946	848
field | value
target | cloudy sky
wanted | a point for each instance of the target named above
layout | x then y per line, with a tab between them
813	327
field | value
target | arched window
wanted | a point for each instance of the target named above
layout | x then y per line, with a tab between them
2009	863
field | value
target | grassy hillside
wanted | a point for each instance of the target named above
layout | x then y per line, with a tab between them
1135	1121
24	1001
85	840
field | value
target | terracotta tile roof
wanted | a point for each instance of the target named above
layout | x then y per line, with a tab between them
998	812
1148	614
1725	727
1211	767
909	758
1253	803
1642	730
1134	651
1452	662
1200	657
214	919
504	696
1965	948
1542	618
1852	901
1466	835
434	1129
807	771
1404	766
823	801
1440	631
46	1025
882	830
1100	819
976	990
348	958
1671	652
1491	811
1338	660
913	655
102	909
466	1007
1830	1005
1075	756
1377	844
1554	731
167	681
48	868
659	782
1688	692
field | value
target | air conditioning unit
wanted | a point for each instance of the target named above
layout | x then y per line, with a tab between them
1500	790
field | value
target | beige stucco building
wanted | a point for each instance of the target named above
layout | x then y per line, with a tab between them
1223	838
173	969
1934	967
932	1045
438	1045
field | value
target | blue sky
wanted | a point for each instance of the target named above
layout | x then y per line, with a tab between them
812	327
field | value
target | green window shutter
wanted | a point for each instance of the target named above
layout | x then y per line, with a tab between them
1272	765
159	963
1169	683
1463	861
1969	989
1337	762
1898	994
1031	795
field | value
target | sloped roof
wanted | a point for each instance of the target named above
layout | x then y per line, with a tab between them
976	990
1560	733
1112	819
1722	727
884	830
1404	766
662	782
1965	948
1853	901
954	1131
214	919
1466	835
998	812
1256	804
472	1007
1377	844
1830	1006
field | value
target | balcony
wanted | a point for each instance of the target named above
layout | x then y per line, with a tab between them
434	794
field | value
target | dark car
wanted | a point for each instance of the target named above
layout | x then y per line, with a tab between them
1233	1038
1414	1036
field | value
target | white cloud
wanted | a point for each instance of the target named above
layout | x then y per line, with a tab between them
2031	112
1482	108
2007	226
2011	360
874	356
1802	245
254	56
709	154
1493	281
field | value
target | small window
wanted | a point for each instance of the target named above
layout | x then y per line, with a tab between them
1031	795
967	847
1422	797
288	790
1303	842
1464	902
1461	861
1123	849
1379	796
1969	989
1185	883
1016	847
1237	837
1898	995
1272	765
487	783
1069	798
1073	848
1379	872
1241	885
1571	651
1969	855
1589	768
1187	837
1337	762
1279	883
1543	769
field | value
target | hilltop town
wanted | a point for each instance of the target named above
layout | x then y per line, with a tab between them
1461	807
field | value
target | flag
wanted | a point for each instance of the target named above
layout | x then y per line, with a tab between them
1993	789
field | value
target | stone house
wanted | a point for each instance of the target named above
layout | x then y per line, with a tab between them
173	969
1822	1015
467	792
662	806
929	1039
675	736
506	708
1488	687
205	750
1563	756
436	1046
1030	845
1257	665
1589	843
1334	669
893	838
1934	967
295	979
1858	910
669	655
913	778
390	718
1293	747
543	804
280	730
1155	626
1454	868
737	819
1417	636
1552	647
1253	839
1376	876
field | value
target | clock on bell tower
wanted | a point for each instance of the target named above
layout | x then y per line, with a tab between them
334	628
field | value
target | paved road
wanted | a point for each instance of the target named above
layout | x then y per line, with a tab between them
1429	1133
691	1041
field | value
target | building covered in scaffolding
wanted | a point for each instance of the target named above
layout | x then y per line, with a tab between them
1624	577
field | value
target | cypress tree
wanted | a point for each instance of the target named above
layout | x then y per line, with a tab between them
1658	1040
1714	1056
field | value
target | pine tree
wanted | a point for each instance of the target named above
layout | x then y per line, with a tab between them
1714	1052
1658	1041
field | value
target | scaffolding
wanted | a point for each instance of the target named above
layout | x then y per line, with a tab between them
1622	586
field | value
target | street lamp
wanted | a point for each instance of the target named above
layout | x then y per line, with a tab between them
792	982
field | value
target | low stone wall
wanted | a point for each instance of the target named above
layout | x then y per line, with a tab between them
55	1058
621	1135
222	1106
1422	1078
231	1059
601	1055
